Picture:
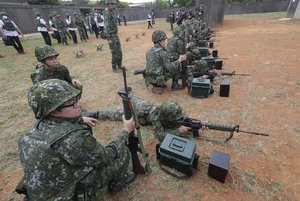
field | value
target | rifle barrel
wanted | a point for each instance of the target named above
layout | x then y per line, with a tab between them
253	133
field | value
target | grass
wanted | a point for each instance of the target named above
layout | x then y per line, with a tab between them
270	15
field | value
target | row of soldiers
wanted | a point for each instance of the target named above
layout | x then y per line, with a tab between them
65	28
180	58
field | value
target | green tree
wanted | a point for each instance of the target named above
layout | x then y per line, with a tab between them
162	3
183	3
44	2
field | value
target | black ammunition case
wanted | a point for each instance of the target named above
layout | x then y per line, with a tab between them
203	51
218	63
219	166
224	88
210	61
215	53
178	153
202	43
200	88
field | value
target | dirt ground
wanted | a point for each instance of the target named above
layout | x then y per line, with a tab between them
261	168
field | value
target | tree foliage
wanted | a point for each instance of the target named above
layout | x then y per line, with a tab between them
44	2
174	3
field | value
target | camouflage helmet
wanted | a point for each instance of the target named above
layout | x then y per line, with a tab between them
196	52
158	35
171	111
43	52
176	31
46	96
110	1
189	55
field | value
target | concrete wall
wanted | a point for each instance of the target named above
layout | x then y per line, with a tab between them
213	10
297	12
257	7
292	8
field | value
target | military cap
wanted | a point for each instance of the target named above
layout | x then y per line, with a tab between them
171	111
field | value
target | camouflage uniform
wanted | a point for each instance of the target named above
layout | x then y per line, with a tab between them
159	67
62	29
43	52
81	27
43	73
149	114
60	156
111	33
175	45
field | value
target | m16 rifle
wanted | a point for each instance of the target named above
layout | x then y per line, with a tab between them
212	74
195	125
135	143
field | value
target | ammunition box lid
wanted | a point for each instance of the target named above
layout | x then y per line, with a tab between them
178	148
208	59
201	82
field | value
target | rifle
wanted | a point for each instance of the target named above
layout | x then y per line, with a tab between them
135	143
139	71
195	125
212	74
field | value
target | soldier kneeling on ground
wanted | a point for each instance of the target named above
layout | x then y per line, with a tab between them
159	68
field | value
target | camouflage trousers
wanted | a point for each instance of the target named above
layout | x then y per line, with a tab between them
90	186
116	51
63	33
82	33
160	80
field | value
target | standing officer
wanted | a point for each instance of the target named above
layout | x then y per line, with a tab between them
111	35
61	158
43	28
10	32
159	68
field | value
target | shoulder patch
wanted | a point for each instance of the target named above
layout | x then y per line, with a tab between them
89	143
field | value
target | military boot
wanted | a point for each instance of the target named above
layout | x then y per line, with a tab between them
175	86
117	185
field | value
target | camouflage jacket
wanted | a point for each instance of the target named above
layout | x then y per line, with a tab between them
110	24
57	153
43	73
175	48
158	63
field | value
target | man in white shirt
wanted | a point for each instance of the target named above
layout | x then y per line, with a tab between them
100	22
71	27
54	28
10	32
43	28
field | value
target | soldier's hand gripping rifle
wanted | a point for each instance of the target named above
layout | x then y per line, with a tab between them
135	143
195	125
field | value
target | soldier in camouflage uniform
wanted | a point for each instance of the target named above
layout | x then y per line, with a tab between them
60	157
159	67
111	35
62	29
150	114
81	26
51	68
